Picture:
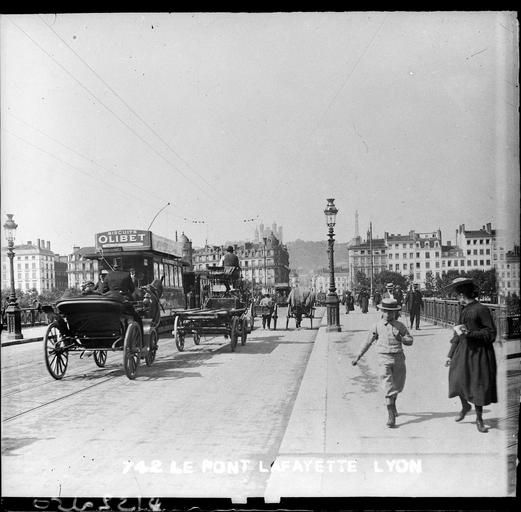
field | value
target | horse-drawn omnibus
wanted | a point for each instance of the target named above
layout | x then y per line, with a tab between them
150	255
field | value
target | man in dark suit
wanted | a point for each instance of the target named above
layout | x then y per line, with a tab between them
119	281
414	301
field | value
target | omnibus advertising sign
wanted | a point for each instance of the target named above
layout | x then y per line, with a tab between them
127	239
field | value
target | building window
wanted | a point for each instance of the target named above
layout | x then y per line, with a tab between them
488	262
455	263
481	242
427	254
481	262
487	241
449	262
468	242
437	264
488	251
405	266
417	254
417	265
427	264
481	251
404	255
436	254
468	263
475	263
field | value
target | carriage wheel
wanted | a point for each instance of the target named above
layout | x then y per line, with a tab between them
234	333
244	331
132	350
152	348
197	338
178	335
100	358
56	356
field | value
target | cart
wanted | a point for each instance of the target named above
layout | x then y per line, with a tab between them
308	311
226	311
99	324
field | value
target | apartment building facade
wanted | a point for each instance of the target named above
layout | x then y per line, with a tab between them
415	255
33	267
263	263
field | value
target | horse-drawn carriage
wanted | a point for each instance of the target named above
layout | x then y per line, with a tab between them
225	311
96	324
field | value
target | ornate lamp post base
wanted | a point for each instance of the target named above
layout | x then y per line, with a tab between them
14	322
333	313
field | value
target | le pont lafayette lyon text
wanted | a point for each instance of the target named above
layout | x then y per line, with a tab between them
312	465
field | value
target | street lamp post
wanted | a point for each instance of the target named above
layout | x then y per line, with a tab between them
332	302
14	320
265	276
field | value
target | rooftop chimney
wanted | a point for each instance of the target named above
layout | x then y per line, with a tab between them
48	245
38	242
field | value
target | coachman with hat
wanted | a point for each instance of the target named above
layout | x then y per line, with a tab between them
471	359
232	266
388	336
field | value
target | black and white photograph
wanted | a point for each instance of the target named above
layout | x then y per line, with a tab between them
259	255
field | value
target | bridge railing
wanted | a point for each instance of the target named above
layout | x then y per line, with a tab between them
446	312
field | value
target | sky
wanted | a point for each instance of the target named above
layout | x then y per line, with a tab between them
409	118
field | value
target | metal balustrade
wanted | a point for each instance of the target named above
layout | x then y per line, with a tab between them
446	312
31	317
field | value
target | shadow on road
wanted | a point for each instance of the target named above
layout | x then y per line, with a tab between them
10	444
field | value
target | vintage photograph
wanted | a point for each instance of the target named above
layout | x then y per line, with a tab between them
259	255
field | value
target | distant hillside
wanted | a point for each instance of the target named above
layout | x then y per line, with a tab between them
307	256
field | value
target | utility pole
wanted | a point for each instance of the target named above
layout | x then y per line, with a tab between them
371	255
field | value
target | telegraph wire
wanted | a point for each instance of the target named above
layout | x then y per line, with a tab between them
90	175
123	193
115	115
124	178
124	102
350	74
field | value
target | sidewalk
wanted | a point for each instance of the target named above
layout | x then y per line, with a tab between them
337	442
30	334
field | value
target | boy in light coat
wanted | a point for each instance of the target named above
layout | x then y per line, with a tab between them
388	336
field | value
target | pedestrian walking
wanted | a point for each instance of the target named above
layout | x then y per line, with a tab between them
471	359
266	305
363	299
389	291
295	303
414	303
377	298
389	335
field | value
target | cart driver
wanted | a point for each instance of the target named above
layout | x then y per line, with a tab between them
232	267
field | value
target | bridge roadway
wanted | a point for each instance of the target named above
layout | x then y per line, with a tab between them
285	415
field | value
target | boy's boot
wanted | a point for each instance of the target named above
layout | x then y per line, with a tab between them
479	420
394	405
391	421
465	408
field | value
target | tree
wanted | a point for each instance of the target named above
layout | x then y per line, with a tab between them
387	276
486	282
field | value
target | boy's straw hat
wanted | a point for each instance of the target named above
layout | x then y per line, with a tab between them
389	305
